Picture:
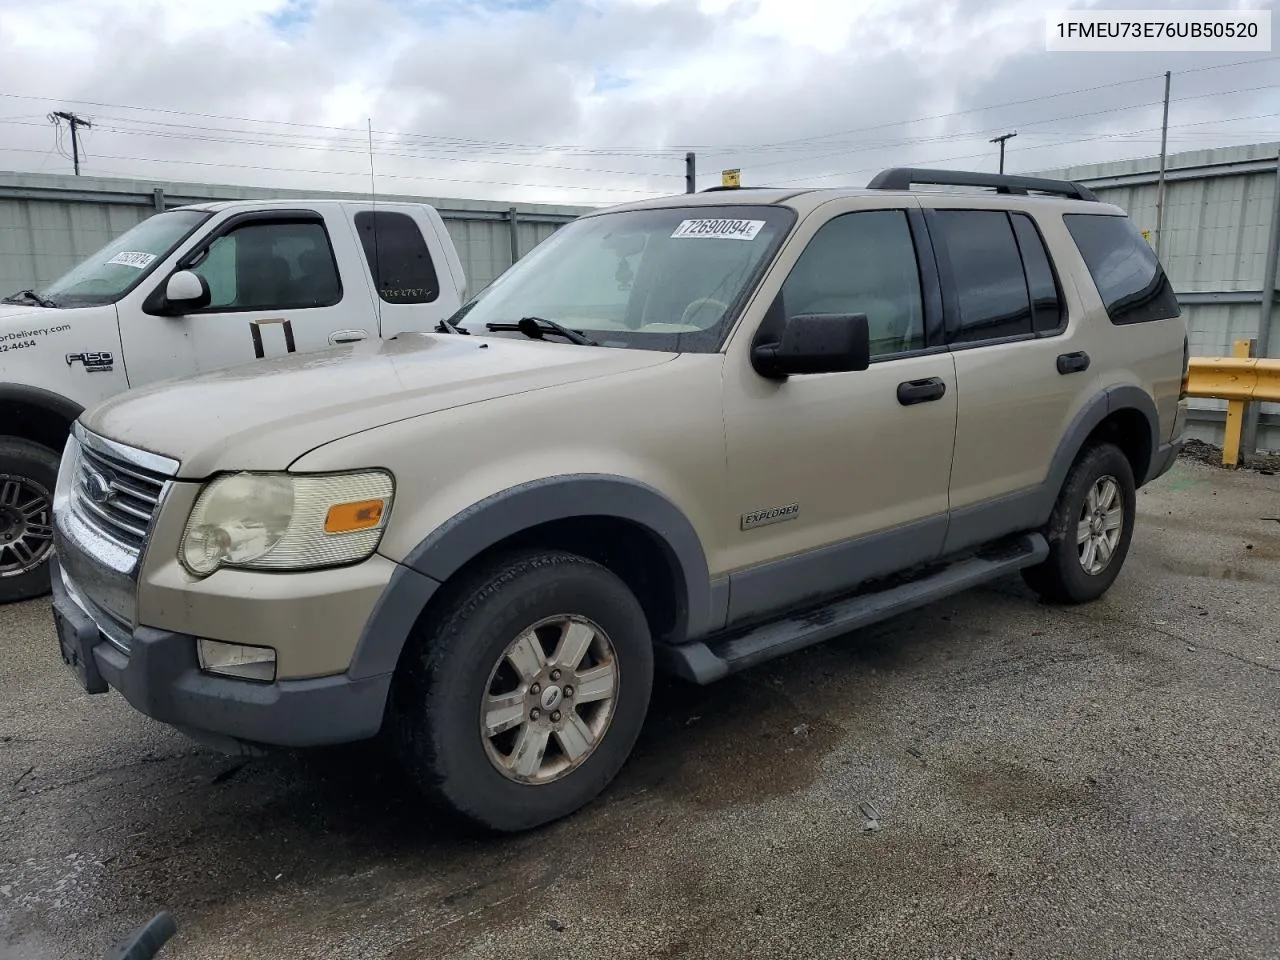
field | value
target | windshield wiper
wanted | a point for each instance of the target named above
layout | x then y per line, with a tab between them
536	327
30	296
444	326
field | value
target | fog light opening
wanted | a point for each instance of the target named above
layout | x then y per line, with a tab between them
237	660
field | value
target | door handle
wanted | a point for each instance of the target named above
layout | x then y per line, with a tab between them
920	391
1073	362
347	336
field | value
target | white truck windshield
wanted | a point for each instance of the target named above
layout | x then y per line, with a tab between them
117	268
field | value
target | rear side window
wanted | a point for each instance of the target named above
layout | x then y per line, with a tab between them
1042	284
990	285
398	257
1129	278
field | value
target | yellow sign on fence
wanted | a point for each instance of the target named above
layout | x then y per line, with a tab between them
730	178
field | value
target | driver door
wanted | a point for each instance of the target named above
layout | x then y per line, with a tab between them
275	289
838	477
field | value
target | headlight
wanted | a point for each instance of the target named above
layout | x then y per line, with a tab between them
279	521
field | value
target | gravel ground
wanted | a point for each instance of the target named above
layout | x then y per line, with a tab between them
984	778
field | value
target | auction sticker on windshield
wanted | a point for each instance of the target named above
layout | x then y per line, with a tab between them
129	259
719	229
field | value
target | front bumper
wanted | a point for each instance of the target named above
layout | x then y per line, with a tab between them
160	676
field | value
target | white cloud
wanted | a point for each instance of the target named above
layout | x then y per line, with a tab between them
468	97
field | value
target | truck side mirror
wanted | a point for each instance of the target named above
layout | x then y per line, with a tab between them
185	291
815	343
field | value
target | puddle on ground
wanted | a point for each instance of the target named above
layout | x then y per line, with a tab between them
741	740
1010	787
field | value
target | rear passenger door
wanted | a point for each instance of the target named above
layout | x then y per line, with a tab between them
1007	319
404	275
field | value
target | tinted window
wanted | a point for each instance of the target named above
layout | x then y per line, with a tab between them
988	274
271	266
398	257
862	263
1125	270
1046	301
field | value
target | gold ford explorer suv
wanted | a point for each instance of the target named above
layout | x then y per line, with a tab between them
689	434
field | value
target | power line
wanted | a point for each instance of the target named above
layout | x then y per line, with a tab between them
664	152
981	133
344	173
1015	103
340	147
1042	146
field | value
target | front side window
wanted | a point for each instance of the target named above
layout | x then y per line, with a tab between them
106	276
987	271
664	279
398	258
1129	278
265	265
862	263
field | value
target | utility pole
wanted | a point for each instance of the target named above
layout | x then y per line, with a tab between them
76	123
1164	145
690	173
1000	140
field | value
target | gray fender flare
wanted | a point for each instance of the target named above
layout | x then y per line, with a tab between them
504	514
1086	421
28	396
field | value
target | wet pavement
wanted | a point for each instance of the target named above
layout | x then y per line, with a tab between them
987	777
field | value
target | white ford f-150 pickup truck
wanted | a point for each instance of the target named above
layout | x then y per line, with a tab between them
190	290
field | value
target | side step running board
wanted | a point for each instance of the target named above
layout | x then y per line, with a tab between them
708	660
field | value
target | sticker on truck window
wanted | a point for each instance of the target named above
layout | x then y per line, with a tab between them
133	259
719	229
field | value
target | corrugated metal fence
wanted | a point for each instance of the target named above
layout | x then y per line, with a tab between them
49	222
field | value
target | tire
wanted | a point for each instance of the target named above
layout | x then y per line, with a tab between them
28	472
1063	577
460	659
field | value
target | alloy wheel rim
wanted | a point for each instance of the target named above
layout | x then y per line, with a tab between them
26	525
1099	526
549	700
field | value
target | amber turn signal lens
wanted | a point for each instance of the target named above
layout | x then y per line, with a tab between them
350	517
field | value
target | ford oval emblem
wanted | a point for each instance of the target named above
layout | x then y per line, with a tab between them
97	487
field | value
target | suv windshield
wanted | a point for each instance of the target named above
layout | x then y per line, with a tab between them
117	268
664	279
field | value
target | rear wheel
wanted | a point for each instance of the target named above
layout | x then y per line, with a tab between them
526	692
28	472
1090	529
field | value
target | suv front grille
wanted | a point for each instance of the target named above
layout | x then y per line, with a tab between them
115	497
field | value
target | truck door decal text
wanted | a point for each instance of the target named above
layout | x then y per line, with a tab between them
255	331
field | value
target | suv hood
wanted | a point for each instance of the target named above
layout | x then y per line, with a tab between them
265	414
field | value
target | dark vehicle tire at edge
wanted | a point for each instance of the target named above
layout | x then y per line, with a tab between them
1062	577
434	712
35	468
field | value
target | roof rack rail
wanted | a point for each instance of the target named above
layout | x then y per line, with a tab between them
763	186
901	178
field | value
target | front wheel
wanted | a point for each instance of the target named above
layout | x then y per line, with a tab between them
526	692
1090	529
28	473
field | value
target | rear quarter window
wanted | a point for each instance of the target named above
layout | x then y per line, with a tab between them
1129	278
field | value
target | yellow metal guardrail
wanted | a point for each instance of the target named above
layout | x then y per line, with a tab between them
1239	379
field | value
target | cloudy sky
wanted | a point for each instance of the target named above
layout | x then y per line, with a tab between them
593	101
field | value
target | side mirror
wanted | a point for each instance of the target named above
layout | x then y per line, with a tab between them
186	291
815	343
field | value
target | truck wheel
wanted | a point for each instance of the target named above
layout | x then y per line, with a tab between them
525	694
1089	530
28	472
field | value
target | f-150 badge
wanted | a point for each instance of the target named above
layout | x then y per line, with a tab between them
93	362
